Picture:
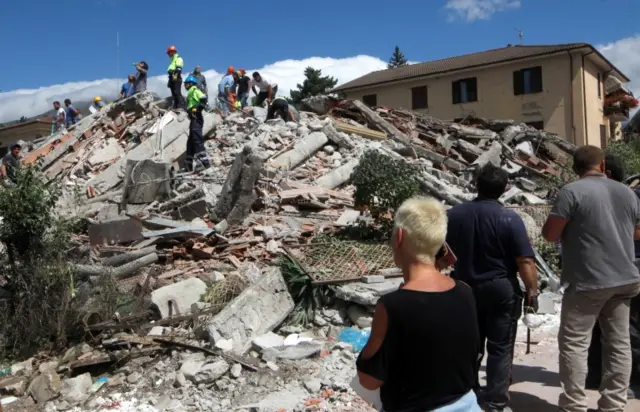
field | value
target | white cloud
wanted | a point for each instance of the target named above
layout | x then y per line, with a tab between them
286	73
471	10
624	54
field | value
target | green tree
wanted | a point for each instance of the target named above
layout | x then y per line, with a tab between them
397	59
314	84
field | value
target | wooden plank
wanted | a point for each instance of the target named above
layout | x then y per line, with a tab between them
361	131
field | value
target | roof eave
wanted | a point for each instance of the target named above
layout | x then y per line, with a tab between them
577	47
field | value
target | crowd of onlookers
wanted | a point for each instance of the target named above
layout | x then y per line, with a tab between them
428	338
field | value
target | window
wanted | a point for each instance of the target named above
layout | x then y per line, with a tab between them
419	98
599	86
603	136
465	90
536	125
370	99
527	81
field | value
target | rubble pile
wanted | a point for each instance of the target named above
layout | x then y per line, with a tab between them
196	250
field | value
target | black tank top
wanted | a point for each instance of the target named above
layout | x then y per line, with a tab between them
429	354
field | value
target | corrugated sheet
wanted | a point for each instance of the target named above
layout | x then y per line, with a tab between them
459	62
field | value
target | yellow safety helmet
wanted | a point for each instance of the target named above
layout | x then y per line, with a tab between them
97	99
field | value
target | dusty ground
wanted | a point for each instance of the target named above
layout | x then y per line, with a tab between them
536	384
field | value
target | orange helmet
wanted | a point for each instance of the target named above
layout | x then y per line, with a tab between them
230	70
172	49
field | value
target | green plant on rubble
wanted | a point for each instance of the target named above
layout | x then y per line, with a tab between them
548	252
628	152
37	274
382	184
307	296
554	183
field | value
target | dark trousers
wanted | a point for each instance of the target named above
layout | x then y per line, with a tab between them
281	107
176	93
195	144
499	305
262	96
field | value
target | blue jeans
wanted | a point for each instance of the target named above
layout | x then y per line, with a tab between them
244	97
468	403
223	104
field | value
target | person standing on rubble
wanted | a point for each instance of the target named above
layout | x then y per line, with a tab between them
60	116
492	246
597	219
140	82
244	85
73	115
196	103
424	337
280	105
127	88
225	91
266	90
202	81
175	77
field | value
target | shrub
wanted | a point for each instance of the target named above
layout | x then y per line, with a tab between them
382	184
38	276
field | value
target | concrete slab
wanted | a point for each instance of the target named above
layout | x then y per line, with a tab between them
366	293
115	231
258	310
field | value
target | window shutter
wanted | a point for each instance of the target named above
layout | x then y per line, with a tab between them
518	83
419	98
455	91
472	89
536	79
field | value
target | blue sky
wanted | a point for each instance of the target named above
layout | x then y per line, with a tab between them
75	41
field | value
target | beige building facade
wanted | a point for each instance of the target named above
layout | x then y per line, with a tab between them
556	88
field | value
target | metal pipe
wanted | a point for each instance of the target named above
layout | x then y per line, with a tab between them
572	117
584	101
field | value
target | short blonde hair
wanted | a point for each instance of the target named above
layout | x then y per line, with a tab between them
424	223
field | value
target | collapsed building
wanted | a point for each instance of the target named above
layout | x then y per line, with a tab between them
198	249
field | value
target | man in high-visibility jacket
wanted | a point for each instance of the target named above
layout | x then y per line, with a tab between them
175	77
196	103
280	105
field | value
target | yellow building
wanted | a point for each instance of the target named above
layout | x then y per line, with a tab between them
558	88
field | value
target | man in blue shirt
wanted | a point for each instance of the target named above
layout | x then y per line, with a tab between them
73	115
492	246
127	88
225	88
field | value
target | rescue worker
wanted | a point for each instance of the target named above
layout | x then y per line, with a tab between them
196	103
175	77
225	91
202	81
263	89
281	106
244	85
98	104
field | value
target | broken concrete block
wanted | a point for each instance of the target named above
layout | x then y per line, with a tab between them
115	231
547	303
45	387
191	211
238	192
338	176
146	181
256	311
250	272
76	390
490	156
348	217
301	151
510	194
108	152
198	372
24	368
177	299
236	370
294	352
367	294
15	386
359	316
373	279
224	345
268	340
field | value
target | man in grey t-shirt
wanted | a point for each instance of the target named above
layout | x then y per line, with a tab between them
597	220
140	81
11	162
